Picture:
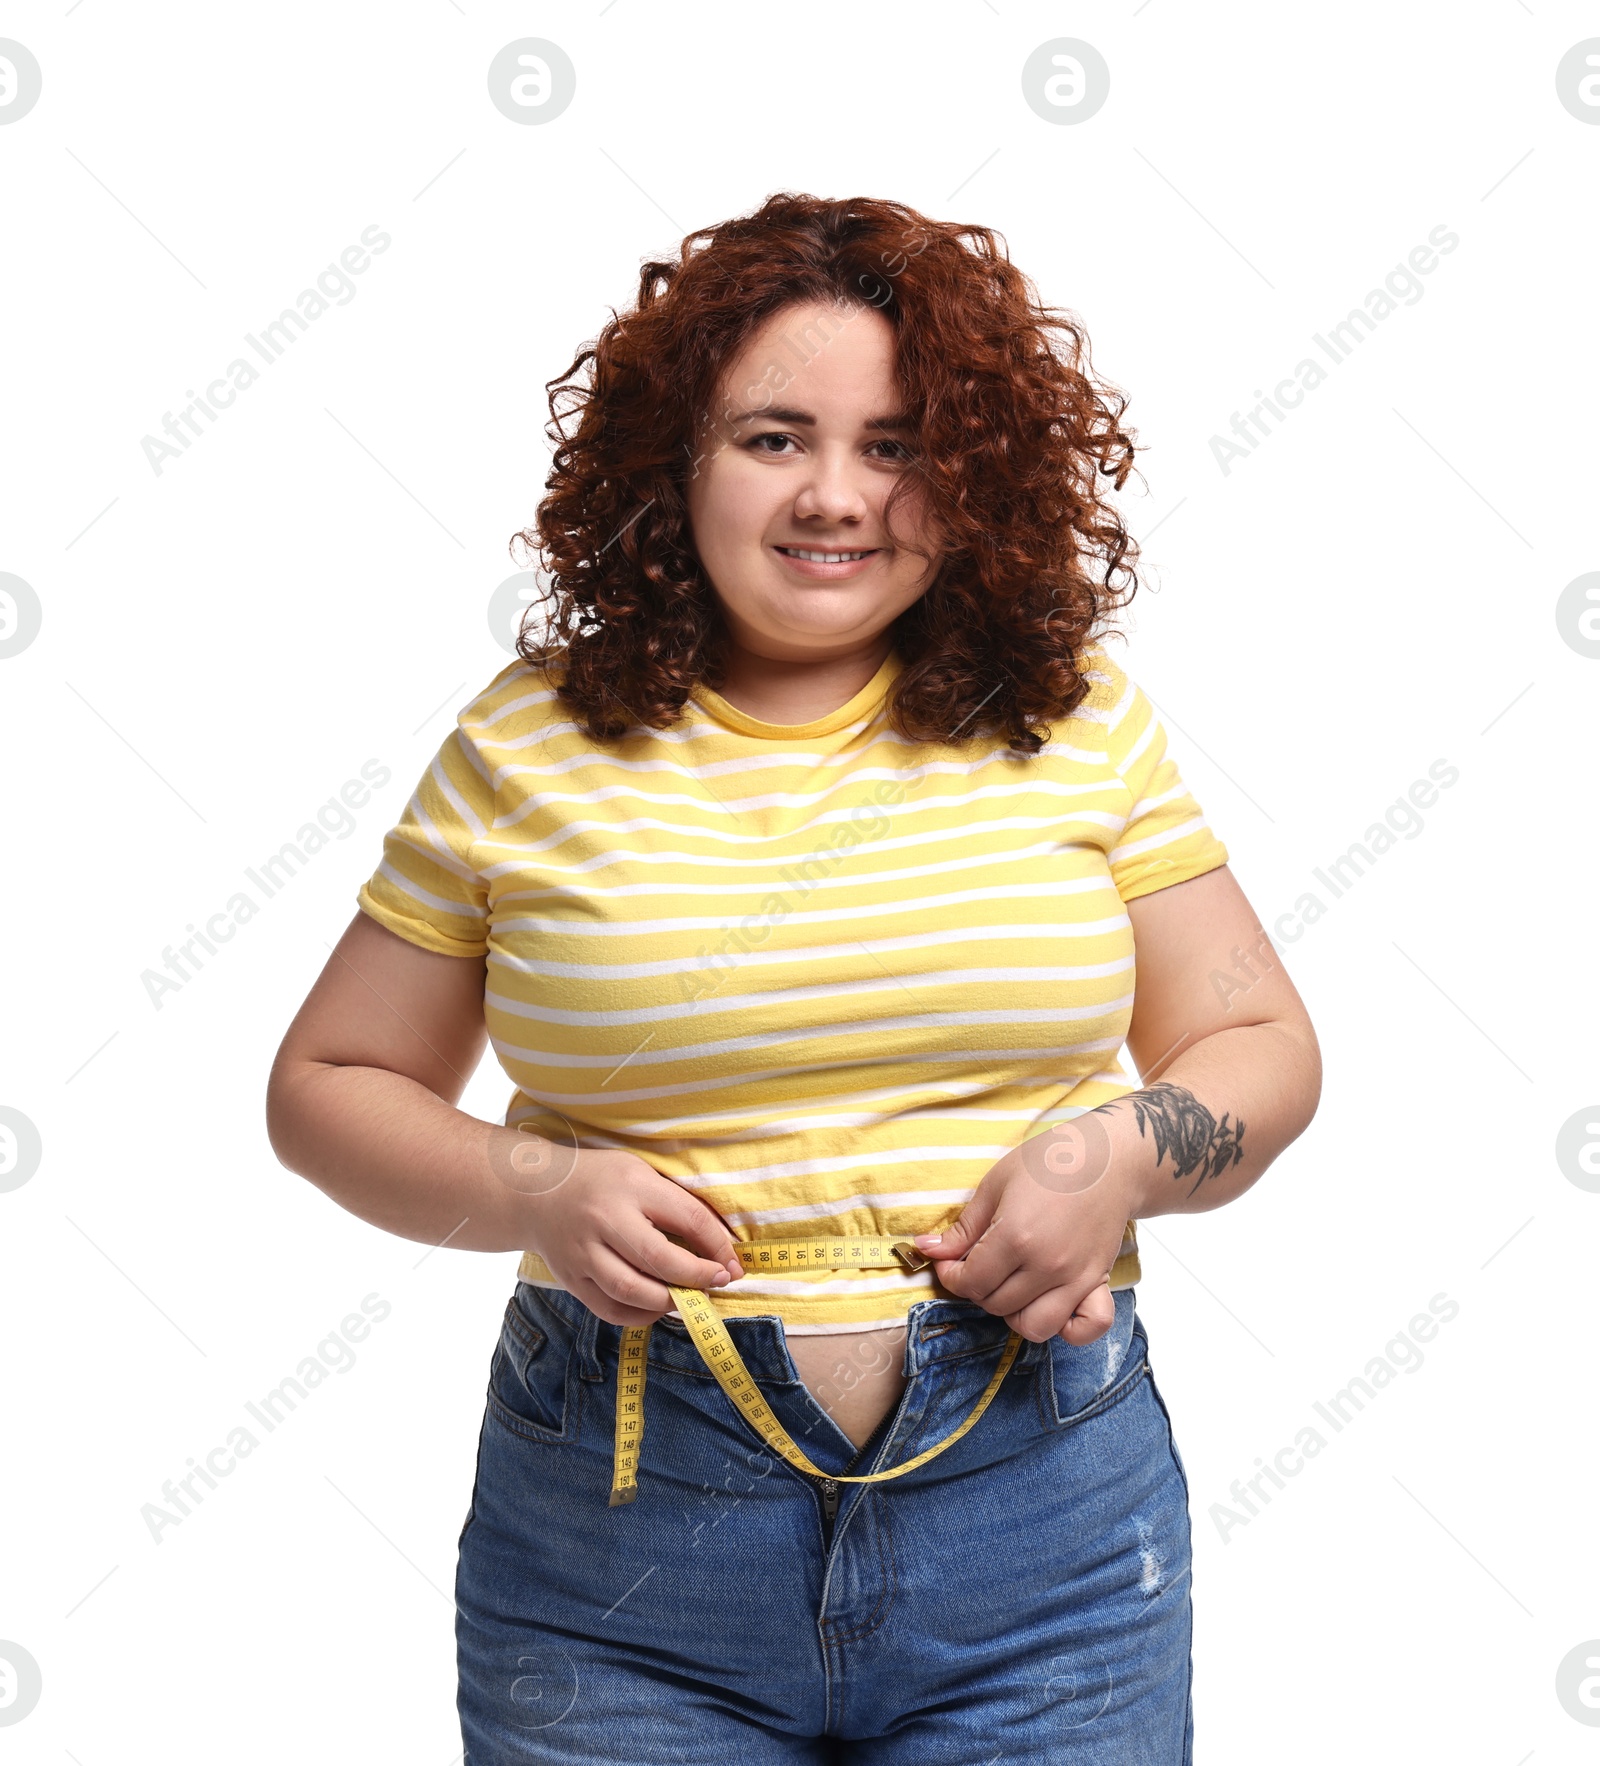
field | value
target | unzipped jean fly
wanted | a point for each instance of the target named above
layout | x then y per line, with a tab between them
1023	1598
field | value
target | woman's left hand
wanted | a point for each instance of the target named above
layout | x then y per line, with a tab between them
1034	1251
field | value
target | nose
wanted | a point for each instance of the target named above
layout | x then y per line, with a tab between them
833	489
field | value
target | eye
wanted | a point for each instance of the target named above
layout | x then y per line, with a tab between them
755	444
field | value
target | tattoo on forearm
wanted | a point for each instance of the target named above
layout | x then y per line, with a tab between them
1182	1126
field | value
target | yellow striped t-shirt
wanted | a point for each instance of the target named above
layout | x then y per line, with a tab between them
822	976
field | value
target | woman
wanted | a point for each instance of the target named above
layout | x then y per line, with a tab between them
798	877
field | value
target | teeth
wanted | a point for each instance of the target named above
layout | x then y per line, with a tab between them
823	557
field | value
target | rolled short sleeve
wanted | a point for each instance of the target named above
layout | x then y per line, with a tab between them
428	889
1167	838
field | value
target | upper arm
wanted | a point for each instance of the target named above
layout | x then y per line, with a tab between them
404	987
381	1001
1203	963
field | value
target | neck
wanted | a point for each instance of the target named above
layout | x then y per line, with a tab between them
779	690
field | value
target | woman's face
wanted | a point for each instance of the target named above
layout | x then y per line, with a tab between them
805	442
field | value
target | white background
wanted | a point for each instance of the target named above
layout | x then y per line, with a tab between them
226	642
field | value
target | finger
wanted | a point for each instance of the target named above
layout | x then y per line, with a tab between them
966	1286
991	1263
1095	1315
603	1306
670	1206
1041	1321
1021	1289
640	1244
621	1281
951	1276
1066	1311
957	1239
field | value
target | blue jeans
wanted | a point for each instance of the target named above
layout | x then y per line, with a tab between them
1024	1597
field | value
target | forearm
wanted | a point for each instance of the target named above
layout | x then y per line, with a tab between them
395	1154
1213	1119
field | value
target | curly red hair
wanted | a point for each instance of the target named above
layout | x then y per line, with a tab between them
1015	433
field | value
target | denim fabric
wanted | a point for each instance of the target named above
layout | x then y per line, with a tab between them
1022	1598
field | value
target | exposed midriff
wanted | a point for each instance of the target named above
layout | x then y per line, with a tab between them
856	1376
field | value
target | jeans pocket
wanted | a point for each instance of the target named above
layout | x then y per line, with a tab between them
530	1373
1085	1377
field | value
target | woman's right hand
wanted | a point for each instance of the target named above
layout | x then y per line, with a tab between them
603	1232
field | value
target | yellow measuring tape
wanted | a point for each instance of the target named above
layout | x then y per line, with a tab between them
710	1336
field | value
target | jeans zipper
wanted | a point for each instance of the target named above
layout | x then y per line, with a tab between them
830	1502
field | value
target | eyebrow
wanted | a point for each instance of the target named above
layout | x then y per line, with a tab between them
785	414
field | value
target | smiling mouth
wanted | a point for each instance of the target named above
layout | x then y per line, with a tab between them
812	555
